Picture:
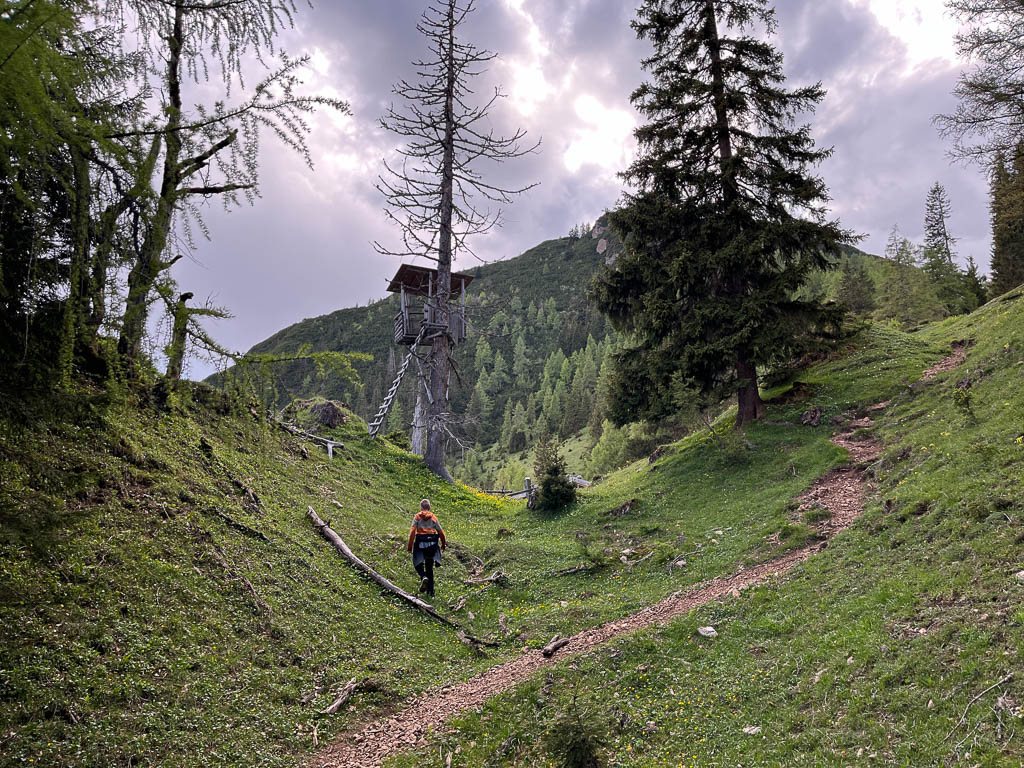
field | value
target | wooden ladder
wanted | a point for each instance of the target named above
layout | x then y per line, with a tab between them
377	423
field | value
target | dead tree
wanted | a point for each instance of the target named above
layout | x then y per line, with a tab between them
434	195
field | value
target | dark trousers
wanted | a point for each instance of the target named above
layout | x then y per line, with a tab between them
426	570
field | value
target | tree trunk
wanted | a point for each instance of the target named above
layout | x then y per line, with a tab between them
176	352
440	351
721	113
419	416
148	263
751	407
101	260
72	328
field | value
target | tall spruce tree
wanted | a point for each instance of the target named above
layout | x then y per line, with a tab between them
938	258
727	219
1007	265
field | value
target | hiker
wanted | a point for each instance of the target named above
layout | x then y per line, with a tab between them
426	540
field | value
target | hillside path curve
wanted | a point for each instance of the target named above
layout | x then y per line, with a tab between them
841	492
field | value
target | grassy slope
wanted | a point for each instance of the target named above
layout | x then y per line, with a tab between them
125	636
874	649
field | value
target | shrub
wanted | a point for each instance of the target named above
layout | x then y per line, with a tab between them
399	439
554	491
577	738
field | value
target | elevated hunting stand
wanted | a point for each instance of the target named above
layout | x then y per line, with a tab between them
419	321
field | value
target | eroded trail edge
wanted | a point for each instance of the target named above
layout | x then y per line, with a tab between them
841	492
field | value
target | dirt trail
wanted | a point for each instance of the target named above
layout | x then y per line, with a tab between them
841	492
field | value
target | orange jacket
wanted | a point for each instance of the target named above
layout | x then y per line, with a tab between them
425	524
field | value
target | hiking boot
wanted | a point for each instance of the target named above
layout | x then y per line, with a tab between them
423	585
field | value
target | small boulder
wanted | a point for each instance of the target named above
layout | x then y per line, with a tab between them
329	414
752	730
708	632
1020	577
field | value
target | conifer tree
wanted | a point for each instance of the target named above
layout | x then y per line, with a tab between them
991	110
209	151
938	258
727	219
521	364
483	354
519	432
1007	265
499	375
856	288
907	296
976	286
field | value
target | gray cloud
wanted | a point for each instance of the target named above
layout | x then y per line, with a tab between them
304	248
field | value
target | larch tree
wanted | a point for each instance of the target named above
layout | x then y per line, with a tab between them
437	196
990	116
856	288
727	218
206	150
59	95
908	297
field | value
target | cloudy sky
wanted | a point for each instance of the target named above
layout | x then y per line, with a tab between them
567	68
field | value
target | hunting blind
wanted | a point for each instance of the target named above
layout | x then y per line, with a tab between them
420	321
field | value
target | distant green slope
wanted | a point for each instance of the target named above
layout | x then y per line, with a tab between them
537	300
555	273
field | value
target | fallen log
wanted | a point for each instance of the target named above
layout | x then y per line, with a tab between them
459	605
346	692
630	565
241	526
349	555
498	577
556	642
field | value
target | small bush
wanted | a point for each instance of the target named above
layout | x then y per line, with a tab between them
554	490
577	738
399	439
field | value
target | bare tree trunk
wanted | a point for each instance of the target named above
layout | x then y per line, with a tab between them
440	351
419	416
751	407
176	354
